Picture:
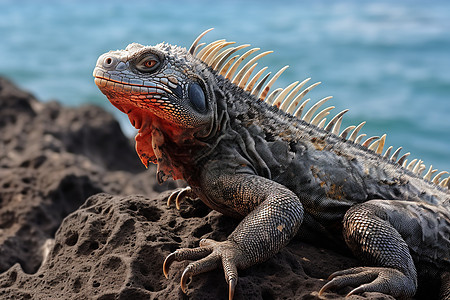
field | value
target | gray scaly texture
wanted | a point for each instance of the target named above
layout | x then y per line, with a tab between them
259	156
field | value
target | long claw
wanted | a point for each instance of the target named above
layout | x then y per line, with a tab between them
179	195
355	291
167	263
170	199
231	287
187	274
327	286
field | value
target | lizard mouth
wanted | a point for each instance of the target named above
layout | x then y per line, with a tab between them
130	87
139	101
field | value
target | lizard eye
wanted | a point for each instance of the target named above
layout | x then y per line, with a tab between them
148	64
197	97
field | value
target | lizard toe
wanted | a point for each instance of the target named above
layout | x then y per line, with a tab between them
203	265
371	279
184	254
209	256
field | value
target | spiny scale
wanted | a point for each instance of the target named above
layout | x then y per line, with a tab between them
219	56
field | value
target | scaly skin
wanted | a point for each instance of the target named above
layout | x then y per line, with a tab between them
247	159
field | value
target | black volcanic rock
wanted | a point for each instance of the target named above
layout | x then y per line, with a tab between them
51	159
113	247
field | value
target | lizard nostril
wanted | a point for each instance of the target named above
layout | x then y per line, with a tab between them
110	62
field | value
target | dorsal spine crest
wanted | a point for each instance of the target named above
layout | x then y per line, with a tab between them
218	56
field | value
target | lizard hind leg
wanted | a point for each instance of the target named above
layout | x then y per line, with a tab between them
369	233
445	286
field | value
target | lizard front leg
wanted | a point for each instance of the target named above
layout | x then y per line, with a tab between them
275	216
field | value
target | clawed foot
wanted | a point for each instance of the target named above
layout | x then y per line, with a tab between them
367	279
209	256
179	195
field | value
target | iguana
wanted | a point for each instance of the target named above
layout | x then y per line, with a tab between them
204	118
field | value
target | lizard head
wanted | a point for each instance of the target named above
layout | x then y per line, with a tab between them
162	89
148	82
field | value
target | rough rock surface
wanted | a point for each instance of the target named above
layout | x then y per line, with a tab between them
53	158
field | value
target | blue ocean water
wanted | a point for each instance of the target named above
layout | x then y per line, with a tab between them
387	61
